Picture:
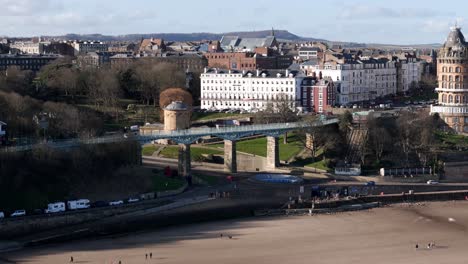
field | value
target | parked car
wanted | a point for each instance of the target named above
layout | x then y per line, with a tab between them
2	215
370	183
99	204
18	213
53	208
118	202
432	182
78	204
38	211
133	200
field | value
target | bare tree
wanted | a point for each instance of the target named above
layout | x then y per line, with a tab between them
280	110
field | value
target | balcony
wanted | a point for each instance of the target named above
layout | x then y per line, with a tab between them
451	90
449	109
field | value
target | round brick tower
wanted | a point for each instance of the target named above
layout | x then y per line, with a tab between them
452	75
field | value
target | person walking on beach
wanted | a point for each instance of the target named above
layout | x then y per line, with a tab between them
151	255
71	259
417	246
146	256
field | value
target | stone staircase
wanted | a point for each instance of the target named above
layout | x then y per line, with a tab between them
356	140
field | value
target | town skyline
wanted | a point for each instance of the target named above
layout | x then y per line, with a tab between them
360	21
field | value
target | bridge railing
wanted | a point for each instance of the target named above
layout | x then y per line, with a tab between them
189	133
237	129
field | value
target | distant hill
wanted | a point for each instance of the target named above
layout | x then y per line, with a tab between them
280	34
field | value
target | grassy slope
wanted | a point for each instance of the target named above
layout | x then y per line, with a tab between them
258	147
162	183
148	150
197	116
172	152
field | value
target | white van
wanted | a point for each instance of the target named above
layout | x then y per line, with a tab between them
78	204
2	215
18	213
55	208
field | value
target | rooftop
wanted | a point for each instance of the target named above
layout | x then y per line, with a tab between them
176	106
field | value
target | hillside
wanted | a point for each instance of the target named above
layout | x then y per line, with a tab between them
280	34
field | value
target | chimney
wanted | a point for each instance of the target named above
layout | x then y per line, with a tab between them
287	72
206	69
258	72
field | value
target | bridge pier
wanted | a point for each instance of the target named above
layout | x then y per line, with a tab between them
273	160
230	156
184	160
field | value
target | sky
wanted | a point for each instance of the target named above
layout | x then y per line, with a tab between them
369	21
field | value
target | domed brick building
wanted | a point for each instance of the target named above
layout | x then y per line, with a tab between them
452	75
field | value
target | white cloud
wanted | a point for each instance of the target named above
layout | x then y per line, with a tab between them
364	12
11	8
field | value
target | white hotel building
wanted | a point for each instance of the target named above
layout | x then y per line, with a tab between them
249	90
360	80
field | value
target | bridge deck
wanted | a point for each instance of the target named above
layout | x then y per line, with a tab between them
187	136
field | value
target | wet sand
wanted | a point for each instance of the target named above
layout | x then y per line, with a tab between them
383	235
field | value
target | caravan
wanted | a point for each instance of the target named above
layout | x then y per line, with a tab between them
55	208
78	204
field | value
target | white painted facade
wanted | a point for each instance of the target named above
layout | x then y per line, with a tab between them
248	91
411	72
28	47
85	47
359	81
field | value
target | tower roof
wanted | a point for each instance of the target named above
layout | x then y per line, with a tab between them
455	38
176	106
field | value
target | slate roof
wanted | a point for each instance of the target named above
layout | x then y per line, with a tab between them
229	43
176	106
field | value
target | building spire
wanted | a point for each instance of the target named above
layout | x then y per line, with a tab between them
272	32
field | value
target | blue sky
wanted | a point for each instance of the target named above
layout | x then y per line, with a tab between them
377	21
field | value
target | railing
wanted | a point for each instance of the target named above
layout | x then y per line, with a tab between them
238	129
449	109
188	133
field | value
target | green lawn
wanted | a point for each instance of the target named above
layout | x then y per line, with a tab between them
196	116
258	146
162	183
452	139
172	152
148	150
210	180
321	165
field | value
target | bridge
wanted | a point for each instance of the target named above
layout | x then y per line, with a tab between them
185	138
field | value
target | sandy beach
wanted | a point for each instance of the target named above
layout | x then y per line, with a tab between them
383	235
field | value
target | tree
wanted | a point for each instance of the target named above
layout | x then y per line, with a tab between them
175	94
154	77
379	137
280	110
327	138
